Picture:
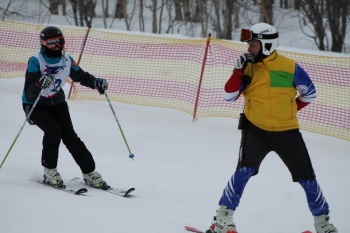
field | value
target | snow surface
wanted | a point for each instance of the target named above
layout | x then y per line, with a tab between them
179	172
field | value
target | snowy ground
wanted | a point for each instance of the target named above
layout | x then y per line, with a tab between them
179	172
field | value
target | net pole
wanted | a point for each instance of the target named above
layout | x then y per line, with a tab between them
80	55
201	77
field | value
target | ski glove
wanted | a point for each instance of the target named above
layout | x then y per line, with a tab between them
101	85
243	60
46	80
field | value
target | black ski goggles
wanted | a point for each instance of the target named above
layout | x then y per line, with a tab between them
55	43
248	35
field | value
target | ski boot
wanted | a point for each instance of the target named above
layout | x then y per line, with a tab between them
94	179
322	224
52	177
223	222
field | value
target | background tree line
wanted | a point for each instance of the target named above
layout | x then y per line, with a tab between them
222	17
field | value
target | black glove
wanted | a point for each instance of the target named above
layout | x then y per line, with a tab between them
46	80
243	60
246	79
101	85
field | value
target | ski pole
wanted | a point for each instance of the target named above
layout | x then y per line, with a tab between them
131	155
25	121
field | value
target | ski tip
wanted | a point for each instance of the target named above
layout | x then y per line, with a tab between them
306	232
192	229
127	193
81	191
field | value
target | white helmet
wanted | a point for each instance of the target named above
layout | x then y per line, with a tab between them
265	33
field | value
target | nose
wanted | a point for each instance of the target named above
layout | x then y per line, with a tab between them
249	49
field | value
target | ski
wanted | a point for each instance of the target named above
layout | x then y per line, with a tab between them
117	191
80	191
192	229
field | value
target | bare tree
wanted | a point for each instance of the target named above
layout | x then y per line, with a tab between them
204	22
227	19
154	16
171	20
200	16
7	8
119	9
104	13
178	10
105	9
54	4
337	12
75	11
297	5
235	11
141	19
121	12
161	17
314	11
187	11
266	12
86	9
198	12
216	21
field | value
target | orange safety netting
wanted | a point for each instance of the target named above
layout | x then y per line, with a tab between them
177	73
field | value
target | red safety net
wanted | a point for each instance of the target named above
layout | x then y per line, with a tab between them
154	70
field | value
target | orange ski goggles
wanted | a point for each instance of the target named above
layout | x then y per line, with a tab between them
55	43
248	35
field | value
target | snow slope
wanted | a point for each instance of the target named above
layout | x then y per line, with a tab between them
179	172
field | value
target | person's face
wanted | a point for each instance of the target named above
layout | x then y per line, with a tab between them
254	47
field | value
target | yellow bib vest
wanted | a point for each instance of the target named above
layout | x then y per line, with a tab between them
270	98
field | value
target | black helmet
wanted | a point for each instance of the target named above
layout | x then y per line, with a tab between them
52	41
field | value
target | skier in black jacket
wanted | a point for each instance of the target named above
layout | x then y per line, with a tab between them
46	74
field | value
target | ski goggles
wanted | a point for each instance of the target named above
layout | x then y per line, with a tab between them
248	35
55	43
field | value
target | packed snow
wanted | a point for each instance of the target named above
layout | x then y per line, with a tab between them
179	171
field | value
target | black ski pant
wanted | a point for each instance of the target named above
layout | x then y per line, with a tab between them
56	123
289	146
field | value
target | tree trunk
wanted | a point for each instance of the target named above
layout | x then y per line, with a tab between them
337	13
141	19
54	6
75	9
297	5
104	13
90	9
217	23
154	16
119	9
178	10
314	12
266	12
105	9
236	14
187	12
227	18
161	17
198	12
81	8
